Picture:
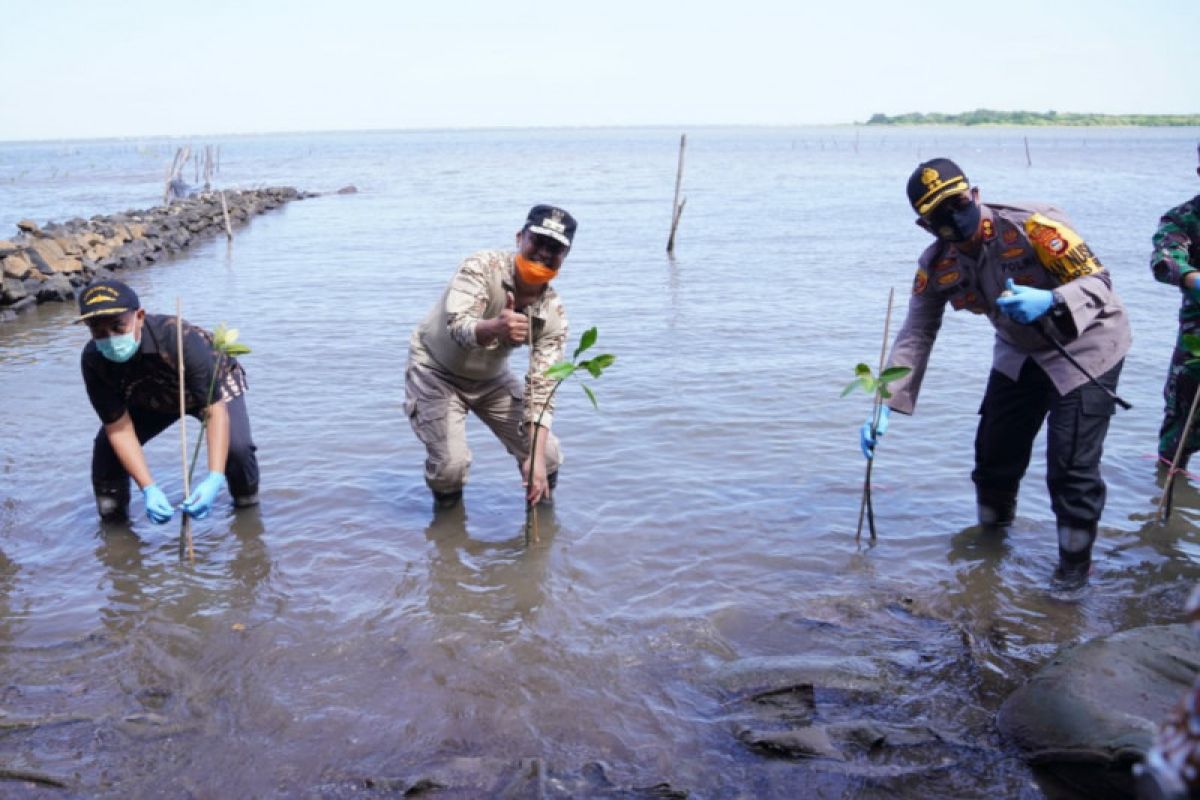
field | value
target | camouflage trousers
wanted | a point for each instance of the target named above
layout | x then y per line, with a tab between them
437	403
1178	393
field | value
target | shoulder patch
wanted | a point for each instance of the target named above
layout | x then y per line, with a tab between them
920	281
1060	250
989	230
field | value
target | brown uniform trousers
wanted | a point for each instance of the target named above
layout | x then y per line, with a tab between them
437	403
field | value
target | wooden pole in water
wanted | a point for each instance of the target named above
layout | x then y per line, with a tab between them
185	527
1163	513
1028	158
676	205
225	212
876	409
531	526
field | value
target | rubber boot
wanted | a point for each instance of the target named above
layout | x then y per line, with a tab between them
245	500
444	501
1074	555
552	482
112	500
996	508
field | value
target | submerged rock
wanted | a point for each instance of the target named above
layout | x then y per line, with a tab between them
765	675
1090	713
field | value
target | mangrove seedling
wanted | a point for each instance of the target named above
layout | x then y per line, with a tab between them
877	387
1191	343
225	345
560	372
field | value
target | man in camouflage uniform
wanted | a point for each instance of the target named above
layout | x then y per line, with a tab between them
496	302
1176	260
1034	278
131	371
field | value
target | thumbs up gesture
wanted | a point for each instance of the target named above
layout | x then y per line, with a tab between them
511	326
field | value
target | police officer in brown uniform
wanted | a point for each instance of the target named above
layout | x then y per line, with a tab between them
1035	279
131	371
496	302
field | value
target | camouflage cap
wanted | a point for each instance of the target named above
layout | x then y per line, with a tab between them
933	181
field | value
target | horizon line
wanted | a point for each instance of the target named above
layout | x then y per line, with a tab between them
498	128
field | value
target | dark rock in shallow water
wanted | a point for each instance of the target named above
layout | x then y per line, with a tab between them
1092	712
351	189
811	741
56	288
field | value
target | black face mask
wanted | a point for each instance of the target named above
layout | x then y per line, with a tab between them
951	224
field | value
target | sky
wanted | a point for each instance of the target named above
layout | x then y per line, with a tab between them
129	68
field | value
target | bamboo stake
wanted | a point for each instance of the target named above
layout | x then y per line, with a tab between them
185	527
1164	503
1028	159
225	212
676	206
876	411
531	524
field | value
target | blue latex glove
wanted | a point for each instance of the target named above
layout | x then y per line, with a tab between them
865	440
158	507
201	502
1025	303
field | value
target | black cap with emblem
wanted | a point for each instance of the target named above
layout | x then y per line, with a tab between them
106	297
932	182
551	221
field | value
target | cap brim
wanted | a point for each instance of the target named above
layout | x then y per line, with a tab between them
932	200
107	312
555	235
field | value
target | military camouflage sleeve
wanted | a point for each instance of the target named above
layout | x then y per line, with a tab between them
1174	245
467	300
549	348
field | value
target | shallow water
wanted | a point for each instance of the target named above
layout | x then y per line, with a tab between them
341	634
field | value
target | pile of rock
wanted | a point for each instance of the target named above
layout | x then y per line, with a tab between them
49	264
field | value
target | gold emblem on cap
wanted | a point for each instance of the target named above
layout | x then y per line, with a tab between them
100	294
930	177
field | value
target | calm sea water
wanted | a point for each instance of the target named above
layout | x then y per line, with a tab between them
705	514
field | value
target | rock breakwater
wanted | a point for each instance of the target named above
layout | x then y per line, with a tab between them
49	264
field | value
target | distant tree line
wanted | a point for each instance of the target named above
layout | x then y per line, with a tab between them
987	116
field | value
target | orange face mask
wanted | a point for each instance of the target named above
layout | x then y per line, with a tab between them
532	272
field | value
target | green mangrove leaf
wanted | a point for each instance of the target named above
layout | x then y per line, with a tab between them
587	340
861	370
1191	343
560	371
235	349
596	365
883	391
591	396
854	384
893	373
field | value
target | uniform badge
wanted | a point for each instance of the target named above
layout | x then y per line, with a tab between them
1013	252
1047	237
920	281
948	278
1009	236
989	230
